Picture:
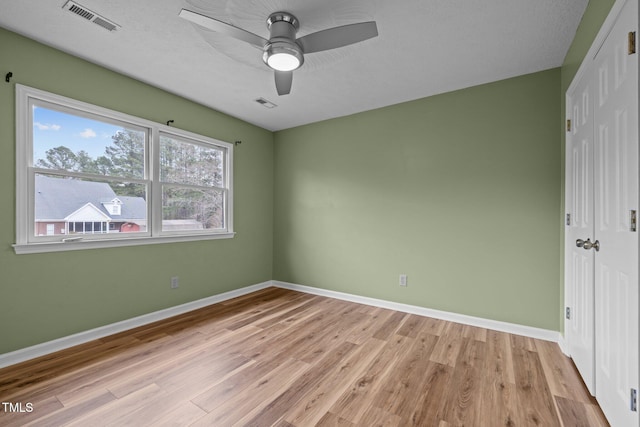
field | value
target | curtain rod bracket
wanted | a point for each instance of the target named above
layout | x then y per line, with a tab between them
7	78
169	122
237	142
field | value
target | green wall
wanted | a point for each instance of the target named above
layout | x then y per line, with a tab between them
47	296
459	191
593	18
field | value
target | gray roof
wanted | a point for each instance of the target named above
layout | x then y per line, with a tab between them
57	198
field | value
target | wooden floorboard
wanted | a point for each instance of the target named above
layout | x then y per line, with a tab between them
282	358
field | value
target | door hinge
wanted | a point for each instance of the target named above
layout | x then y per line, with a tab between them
567	313
568	125
633	219
634	400
632	42
568	222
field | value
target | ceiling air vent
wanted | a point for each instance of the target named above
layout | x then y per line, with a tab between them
265	103
85	13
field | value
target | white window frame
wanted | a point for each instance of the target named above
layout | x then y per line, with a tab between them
27	242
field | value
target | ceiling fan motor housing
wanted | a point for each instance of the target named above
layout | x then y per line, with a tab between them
282	28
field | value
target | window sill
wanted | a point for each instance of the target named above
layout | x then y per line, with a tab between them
36	248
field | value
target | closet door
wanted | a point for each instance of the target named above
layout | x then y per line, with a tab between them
616	202
579	263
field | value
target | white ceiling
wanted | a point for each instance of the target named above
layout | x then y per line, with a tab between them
424	47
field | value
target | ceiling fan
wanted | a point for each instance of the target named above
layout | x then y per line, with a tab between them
283	52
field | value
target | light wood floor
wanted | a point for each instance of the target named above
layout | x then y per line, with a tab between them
283	358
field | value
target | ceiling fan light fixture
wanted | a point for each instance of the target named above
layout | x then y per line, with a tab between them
284	51
283	62
283	56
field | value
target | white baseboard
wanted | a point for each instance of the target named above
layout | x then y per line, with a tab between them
48	347
512	328
562	343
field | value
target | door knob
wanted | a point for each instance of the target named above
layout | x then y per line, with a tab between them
589	244
579	243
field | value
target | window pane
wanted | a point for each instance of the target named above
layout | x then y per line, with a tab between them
65	205
187	163
73	143
191	209
89	170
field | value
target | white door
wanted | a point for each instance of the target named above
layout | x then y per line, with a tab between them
616	197
579	263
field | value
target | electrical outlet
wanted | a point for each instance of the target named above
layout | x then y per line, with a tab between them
403	280
175	282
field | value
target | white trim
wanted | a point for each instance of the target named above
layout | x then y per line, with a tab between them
48	347
23	153
562	343
512	328
71	244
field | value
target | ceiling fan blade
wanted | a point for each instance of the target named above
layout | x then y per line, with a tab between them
284	79
338	37
223	28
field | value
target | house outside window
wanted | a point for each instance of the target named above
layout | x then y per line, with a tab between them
91	177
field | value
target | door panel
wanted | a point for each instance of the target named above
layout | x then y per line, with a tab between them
616	195
579	204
